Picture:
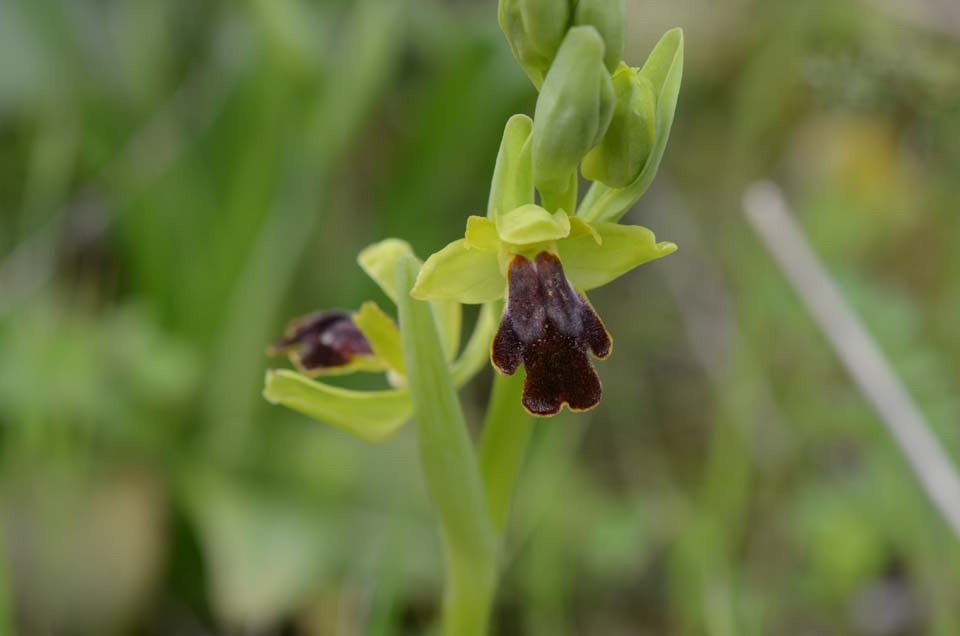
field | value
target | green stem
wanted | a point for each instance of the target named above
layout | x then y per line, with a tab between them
506	435
450	467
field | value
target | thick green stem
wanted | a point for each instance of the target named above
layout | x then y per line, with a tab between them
450	467
506	435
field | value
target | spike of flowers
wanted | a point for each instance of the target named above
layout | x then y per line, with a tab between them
539	249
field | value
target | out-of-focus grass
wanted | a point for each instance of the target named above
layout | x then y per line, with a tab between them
178	178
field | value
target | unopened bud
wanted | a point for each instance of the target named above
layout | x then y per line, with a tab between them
535	30
608	18
573	110
625	147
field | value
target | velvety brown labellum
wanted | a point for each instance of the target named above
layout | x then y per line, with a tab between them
322	341
549	328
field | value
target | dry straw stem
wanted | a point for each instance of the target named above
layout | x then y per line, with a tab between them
767	211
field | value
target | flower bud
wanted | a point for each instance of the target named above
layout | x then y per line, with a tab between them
573	110
621	155
608	18
535	30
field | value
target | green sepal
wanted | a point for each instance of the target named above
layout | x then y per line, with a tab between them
664	70
382	333
532	224
608	18
618	159
460	273
370	415
379	261
572	112
512	184
588	265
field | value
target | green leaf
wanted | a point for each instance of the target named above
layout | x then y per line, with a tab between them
664	70
512	184
449	464
532	224
588	265
263	549
370	415
379	261
382	333
460	273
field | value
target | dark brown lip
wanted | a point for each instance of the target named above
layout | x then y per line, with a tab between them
550	329
322	341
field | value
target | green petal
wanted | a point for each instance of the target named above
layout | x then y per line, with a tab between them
512	184
579	227
371	415
482	233
379	261
365	364
382	334
588	265
532	224
460	273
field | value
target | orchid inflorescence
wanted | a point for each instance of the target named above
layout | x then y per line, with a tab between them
528	263
537	246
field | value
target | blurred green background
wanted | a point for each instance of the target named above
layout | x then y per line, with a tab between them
179	178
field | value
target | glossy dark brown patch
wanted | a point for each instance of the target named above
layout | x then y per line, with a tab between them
549	328
322	341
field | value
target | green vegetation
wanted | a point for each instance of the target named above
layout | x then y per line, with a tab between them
180	178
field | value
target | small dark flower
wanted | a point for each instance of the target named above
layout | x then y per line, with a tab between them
549	328
325	342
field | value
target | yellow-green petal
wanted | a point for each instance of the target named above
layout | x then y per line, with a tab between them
579	227
379	261
481	233
459	273
370	415
382	333
532	224
512	184
588	265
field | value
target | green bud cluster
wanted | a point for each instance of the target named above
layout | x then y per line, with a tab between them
621	154
594	112
573	111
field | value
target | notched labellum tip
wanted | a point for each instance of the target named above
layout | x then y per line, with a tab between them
549	328
322	342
